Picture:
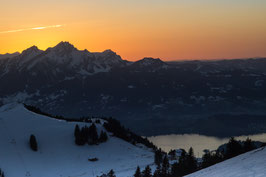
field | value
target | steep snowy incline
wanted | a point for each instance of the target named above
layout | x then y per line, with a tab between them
57	154
246	165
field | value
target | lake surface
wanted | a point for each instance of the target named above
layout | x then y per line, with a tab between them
198	142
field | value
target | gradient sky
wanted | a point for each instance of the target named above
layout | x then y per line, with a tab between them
166	29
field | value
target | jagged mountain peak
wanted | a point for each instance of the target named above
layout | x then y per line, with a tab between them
109	51
64	44
108	57
28	54
105	53
63	47
150	61
32	49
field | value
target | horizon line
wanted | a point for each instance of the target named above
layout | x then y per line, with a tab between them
169	60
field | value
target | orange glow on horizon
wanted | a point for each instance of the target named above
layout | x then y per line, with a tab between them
168	30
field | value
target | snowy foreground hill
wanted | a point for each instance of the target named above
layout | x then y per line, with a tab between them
58	155
252	163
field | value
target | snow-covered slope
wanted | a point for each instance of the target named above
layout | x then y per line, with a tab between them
246	165
57	154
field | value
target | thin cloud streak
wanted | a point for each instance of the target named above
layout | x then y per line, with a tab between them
35	28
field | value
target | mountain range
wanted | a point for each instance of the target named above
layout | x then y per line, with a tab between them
179	97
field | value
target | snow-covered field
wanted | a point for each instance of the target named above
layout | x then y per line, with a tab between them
57	154
250	164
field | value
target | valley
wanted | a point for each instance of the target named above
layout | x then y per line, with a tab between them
177	97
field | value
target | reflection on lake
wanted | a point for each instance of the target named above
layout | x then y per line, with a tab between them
198	142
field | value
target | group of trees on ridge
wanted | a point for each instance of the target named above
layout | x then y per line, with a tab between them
89	135
187	162
68	119
233	148
111	125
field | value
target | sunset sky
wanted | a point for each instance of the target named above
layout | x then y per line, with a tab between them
166	29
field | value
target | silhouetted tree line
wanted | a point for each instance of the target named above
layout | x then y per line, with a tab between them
211	158
114	126
187	162
145	173
158	156
233	148
2	174
81	119
89	135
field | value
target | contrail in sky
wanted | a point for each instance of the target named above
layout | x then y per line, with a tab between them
27	29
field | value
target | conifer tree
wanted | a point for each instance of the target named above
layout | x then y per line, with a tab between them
158	157
137	173
157	172
233	148
85	133
206	159
248	145
165	167
81	137
191	161
77	131
147	172
182	164
210	158
103	137
175	170
33	143
172	154
93	135
111	173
